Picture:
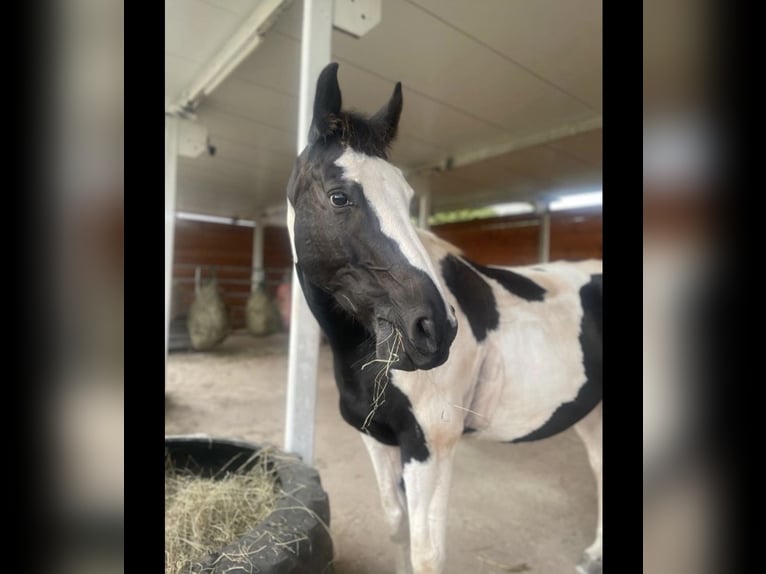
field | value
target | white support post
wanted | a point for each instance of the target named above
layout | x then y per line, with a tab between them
421	185
171	163
316	42
544	238
424	208
258	273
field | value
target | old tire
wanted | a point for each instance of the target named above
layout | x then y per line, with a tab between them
301	516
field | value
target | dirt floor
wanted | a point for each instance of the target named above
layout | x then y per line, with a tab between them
513	508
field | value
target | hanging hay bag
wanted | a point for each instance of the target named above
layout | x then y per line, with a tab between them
208	318
263	316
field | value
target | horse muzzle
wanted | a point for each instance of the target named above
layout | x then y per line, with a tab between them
422	342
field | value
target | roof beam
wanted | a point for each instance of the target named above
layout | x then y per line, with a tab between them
467	158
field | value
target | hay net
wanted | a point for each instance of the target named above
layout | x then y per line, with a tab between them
208	317
263	316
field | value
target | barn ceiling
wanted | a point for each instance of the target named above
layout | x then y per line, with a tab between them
477	76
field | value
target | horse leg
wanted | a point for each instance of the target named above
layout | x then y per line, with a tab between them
427	485
589	430
387	462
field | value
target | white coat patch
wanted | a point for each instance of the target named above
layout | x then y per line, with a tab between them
389	196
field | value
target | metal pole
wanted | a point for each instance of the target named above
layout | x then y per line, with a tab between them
544	239
258	274
171	164
422	187
316	42
424	208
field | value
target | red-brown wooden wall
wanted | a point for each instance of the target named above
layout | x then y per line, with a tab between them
575	235
216	245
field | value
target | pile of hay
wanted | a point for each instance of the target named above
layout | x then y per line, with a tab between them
203	515
263	316
208	318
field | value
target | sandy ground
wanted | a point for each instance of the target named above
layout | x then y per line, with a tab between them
513	508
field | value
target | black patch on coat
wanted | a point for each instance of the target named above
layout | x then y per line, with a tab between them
514	283
473	294
393	422
590	393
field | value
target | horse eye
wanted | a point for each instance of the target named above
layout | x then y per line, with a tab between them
339	199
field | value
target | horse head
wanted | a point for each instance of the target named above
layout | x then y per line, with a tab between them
352	236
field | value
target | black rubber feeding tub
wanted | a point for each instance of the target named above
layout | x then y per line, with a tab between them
296	533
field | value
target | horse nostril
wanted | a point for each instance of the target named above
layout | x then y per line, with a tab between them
425	334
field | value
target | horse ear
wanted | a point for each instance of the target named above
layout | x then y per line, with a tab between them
327	102
390	113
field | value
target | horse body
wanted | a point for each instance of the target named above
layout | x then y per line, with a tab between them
429	346
530	341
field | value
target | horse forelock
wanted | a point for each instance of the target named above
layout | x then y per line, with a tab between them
360	133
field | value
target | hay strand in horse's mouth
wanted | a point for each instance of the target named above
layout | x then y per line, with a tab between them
381	379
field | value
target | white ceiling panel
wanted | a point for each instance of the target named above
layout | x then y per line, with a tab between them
194	32
249	155
249	176
246	130
487	173
290	21
274	109
239	8
475	75
179	72
560	41
585	147
407	151
196	29
274	64
424	119
433	58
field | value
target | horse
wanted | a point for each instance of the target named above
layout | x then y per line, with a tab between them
427	345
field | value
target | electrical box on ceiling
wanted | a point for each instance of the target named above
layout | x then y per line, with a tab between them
192	139
356	17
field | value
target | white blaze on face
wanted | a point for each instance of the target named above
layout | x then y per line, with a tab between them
389	196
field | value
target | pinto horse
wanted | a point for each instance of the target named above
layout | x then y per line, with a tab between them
429	346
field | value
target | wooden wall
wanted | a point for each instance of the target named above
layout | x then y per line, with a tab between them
221	246
513	240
